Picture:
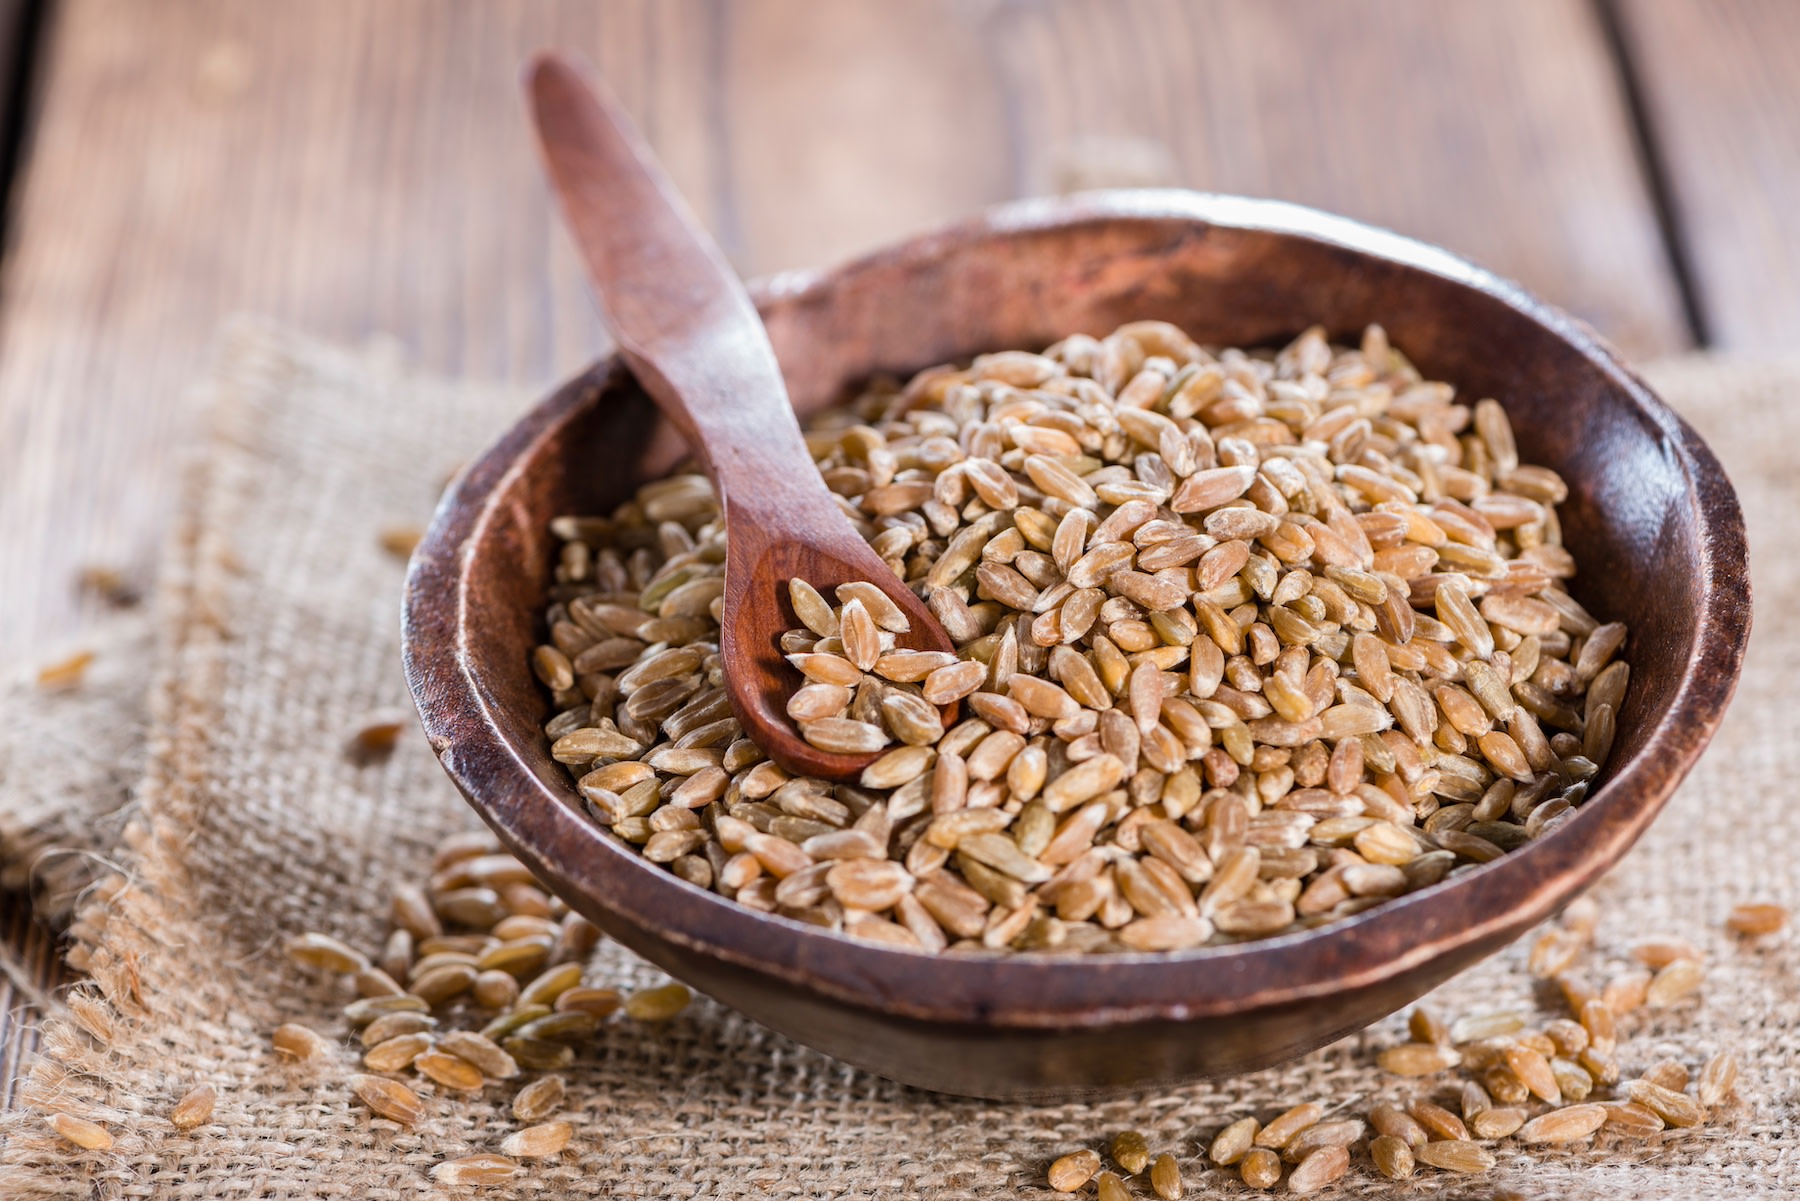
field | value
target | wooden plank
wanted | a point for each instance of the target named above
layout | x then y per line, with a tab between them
848	124
35	951
1720	86
1495	129
351	168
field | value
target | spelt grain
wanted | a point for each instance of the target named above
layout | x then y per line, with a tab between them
388	1098
539	1099
1631	1120
297	1042
475	1170
1165	1177
481	1051
195	1107
1393	1157
1319	1169
89	1136
1566	1125
1283	1129
1233	1142
1455	1155
396	1054
1675	1109
536	1142
1718	1078
327	953
1260	1168
1155	585
1756	920
1073	1170
657	1004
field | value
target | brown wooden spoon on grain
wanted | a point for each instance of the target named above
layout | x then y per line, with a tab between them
687	329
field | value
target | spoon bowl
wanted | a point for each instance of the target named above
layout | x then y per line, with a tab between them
1650	517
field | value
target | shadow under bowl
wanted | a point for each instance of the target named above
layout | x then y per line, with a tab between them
1650	517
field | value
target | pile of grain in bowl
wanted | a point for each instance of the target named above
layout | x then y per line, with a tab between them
1248	641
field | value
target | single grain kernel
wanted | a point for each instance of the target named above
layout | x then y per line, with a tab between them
539	1099
1497	1123
1074	1170
1278	1133
451	1071
1678	980
1131	1152
534	1142
1440	1122
325	952
1533	1070
1564	1125
1753	921
388	1098
1393	1157
1109	1186
1261	1168
1165	1177
1319	1169
1418	1059
195	1108
297	1042
1718	1078
657	1004
1455	1155
1232	1143
475	1170
83	1133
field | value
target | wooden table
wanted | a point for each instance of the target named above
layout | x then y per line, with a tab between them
357	168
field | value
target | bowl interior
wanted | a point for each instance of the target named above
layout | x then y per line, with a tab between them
1651	523
1629	499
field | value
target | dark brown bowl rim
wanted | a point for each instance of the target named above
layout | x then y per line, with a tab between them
1040	991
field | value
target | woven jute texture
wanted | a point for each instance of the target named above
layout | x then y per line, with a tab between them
61	788
279	635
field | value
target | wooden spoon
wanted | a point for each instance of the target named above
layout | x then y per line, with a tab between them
688	331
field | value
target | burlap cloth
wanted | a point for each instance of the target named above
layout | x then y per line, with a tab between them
277	632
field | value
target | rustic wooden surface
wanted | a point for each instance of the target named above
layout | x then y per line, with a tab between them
1721	90
361	169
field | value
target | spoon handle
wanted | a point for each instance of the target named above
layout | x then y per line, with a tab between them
682	319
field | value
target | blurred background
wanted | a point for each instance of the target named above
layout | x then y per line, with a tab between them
360	169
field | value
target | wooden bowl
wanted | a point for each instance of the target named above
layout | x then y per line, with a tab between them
1650	517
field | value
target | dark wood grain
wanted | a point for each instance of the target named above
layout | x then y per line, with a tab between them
1644	493
687	330
1496	130
1720	86
38	955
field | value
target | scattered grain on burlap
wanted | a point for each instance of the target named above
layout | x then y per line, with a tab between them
253	828
61	787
